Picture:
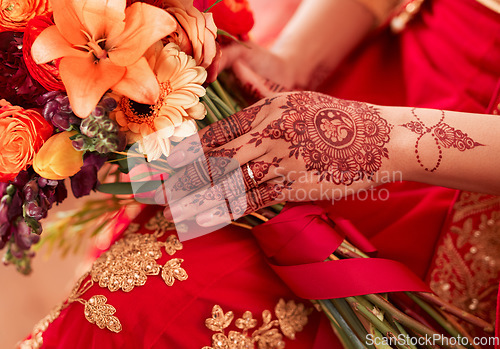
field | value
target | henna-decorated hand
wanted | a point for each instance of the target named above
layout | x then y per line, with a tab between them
298	146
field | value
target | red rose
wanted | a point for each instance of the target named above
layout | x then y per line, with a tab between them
46	74
22	133
234	17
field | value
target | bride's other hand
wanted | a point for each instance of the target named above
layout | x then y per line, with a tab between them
316	39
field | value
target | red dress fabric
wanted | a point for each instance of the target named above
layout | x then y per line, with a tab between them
447	58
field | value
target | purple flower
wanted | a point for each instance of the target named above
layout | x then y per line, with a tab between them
4	223
23	236
57	110
30	190
34	211
61	192
15	208
86	180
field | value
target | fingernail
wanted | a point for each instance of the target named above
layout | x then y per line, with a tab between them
175	159
162	195
205	219
167	214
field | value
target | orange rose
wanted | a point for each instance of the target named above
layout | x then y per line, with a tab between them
15	14
58	159
22	133
195	33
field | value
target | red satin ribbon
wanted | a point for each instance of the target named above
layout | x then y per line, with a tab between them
300	238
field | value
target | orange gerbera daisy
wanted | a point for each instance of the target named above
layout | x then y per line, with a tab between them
172	117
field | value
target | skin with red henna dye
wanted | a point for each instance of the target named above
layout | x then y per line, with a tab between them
306	146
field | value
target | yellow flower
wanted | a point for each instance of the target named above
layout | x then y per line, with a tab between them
57	159
172	117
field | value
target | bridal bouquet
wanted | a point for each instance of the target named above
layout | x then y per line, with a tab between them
80	81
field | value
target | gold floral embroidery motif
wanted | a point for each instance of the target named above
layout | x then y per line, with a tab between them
292	318
172	245
96	311
127	264
99	313
159	224
467	262
172	270
131	259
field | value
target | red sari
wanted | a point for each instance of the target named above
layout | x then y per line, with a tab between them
440	61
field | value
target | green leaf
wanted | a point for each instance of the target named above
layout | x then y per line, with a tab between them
125	188
210	7
140	176
225	33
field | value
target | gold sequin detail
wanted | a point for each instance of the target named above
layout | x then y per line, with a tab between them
291	318
131	259
159	224
467	262
128	262
98	312
172	271
172	244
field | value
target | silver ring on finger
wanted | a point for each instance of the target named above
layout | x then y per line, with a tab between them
251	175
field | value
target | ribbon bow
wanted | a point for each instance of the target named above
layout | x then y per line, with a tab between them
301	237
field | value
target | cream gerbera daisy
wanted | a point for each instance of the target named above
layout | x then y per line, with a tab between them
172	117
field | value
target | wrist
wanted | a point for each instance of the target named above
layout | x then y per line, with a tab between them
400	163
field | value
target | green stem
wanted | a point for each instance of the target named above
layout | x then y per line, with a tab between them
450	308
224	109
223	95
436	316
403	332
350	317
212	107
353	249
402	318
339	332
355	342
380	325
201	124
212	119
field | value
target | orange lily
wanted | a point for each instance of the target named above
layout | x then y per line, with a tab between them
102	46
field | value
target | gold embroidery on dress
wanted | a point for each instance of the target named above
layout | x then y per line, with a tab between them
467	261
172	270
124	266
291	318
96	311
99	313
132	258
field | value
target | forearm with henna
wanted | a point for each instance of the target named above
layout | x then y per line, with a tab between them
306	142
